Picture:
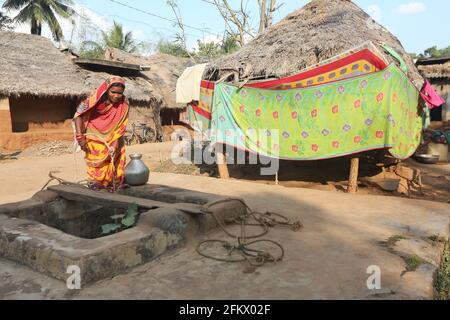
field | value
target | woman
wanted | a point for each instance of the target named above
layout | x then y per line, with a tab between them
100	123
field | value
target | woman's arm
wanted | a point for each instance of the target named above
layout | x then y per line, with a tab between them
79	127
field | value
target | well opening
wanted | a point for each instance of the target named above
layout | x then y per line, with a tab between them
80	219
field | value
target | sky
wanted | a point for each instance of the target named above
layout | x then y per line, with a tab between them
418	24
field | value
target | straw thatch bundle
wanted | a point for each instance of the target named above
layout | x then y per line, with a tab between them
163	74
318	31
32	65
436	70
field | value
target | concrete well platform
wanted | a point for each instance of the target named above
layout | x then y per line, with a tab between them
61	227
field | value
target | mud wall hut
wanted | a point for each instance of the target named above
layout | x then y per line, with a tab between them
40	88
437	71
39	91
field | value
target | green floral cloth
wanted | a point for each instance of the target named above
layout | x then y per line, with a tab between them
375	111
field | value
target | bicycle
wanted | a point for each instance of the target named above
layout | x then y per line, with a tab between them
145	135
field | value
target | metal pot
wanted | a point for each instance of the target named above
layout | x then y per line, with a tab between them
427	158
136	172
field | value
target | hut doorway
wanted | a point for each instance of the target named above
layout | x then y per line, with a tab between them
170	117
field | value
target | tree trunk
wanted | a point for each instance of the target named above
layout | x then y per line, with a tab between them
271	11
262	15
36	27
266	14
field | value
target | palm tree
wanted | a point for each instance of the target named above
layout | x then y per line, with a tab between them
5	22
38	12
113	38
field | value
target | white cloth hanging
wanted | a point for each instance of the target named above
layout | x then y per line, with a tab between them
188	85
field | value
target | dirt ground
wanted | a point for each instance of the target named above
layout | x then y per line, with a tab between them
332	175
328	259
343	236
33	165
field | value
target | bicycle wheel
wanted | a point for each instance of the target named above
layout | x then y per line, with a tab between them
131	139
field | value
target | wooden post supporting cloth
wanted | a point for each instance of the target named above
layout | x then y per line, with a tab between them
353	180
221	160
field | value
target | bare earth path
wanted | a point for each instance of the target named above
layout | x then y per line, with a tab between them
327	259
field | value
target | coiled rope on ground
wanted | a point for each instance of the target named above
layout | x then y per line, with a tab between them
255	257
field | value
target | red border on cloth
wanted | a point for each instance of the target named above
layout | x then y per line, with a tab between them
201	112
208	85
365	54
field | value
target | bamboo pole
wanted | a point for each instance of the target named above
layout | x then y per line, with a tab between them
353	180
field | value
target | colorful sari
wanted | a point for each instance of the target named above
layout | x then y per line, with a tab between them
105	127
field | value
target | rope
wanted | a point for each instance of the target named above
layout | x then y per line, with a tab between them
256	258
52	176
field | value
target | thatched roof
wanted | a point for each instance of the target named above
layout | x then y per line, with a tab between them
318	31
32	65
163	74
137	89
435	68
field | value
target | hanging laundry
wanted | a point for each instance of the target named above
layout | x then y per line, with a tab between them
430	96
397	56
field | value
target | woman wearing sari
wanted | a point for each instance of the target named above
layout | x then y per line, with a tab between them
100	123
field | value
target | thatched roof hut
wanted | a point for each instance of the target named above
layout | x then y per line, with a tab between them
163	74
32	66
320	30
435	67
437	71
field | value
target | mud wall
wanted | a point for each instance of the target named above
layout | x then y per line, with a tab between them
5	115
35	114
25	122
146	113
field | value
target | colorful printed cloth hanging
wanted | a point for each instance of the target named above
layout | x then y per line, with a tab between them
375	111
341	67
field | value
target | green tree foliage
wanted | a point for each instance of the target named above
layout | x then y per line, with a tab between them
91	50
173	48
214	50
207	50
432	52
5	22
115	37
230	45
38	12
